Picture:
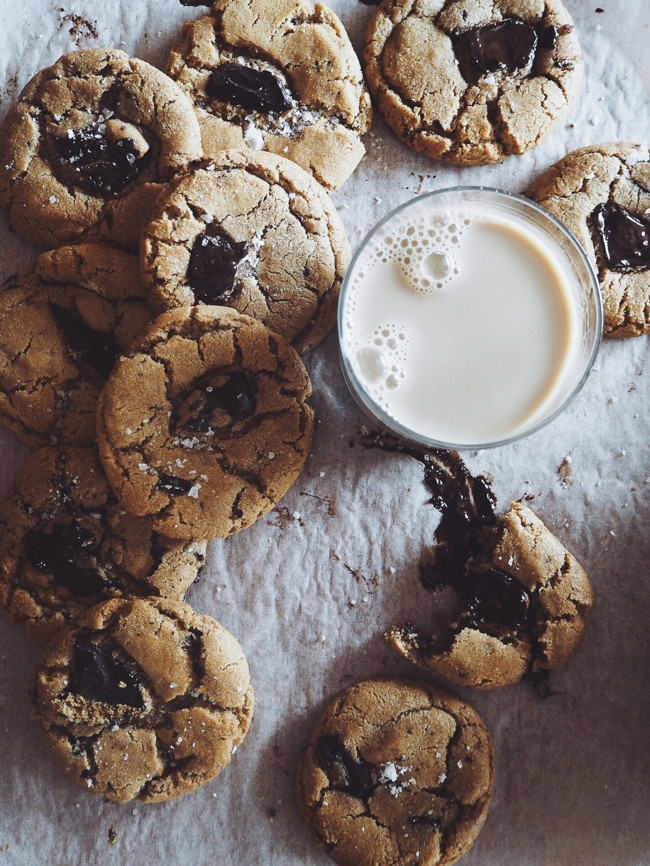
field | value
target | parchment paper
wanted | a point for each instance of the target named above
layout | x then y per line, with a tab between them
309	590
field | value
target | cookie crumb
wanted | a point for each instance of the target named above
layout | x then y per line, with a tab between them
112	836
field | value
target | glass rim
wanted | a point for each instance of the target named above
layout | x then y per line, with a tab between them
391	424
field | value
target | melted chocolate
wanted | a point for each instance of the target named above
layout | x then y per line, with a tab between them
98	676
342	770
98	349
173	485
252	89
507	45
493	598
100	166
213	264
67	554
625	237
215	402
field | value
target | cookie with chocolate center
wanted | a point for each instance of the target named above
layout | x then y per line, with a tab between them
143	699
88	145
281	77
397	772
472	83
602	194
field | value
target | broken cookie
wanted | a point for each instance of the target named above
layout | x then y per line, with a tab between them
515	600
397	772
143	698
472	83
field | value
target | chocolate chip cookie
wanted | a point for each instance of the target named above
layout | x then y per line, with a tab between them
397	772
66	543
252	231
87	146
143	698
472	83
521	603
602	194
62	325
204	423
280	76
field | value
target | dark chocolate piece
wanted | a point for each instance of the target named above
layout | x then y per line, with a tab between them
98	676
493	598
252	89
173	485
507	45
625	237
98	349
213	264
195	3
67	554
216	401
99	165
548	39
343	772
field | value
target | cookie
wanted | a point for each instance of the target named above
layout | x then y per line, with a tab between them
89	144
601	193
397	772
66	543
252	231
472	83
204	423
522	602
279	76
62	325
143	699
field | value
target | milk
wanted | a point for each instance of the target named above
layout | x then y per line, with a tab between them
462	322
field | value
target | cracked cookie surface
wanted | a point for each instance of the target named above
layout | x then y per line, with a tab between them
143	698
88	145
522	605
253	232
472	82
62	325
397	773
204	423
602	194
279	76
66	544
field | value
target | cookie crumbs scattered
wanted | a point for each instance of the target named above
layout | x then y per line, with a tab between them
564	470
80	28
5	847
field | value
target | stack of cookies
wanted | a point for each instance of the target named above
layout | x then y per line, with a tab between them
151	356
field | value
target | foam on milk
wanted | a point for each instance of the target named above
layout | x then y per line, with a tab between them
459	321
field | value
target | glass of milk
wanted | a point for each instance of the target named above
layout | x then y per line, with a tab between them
469	317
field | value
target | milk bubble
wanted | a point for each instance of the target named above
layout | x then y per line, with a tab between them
372	365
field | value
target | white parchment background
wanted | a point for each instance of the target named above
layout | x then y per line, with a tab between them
309	597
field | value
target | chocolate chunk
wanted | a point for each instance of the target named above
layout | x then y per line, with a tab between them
98	676
343	772
507	45
67	553
213	264
625	237
99	165
172	484
195	3
252	89
215	402
549	37
98	349
493	598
